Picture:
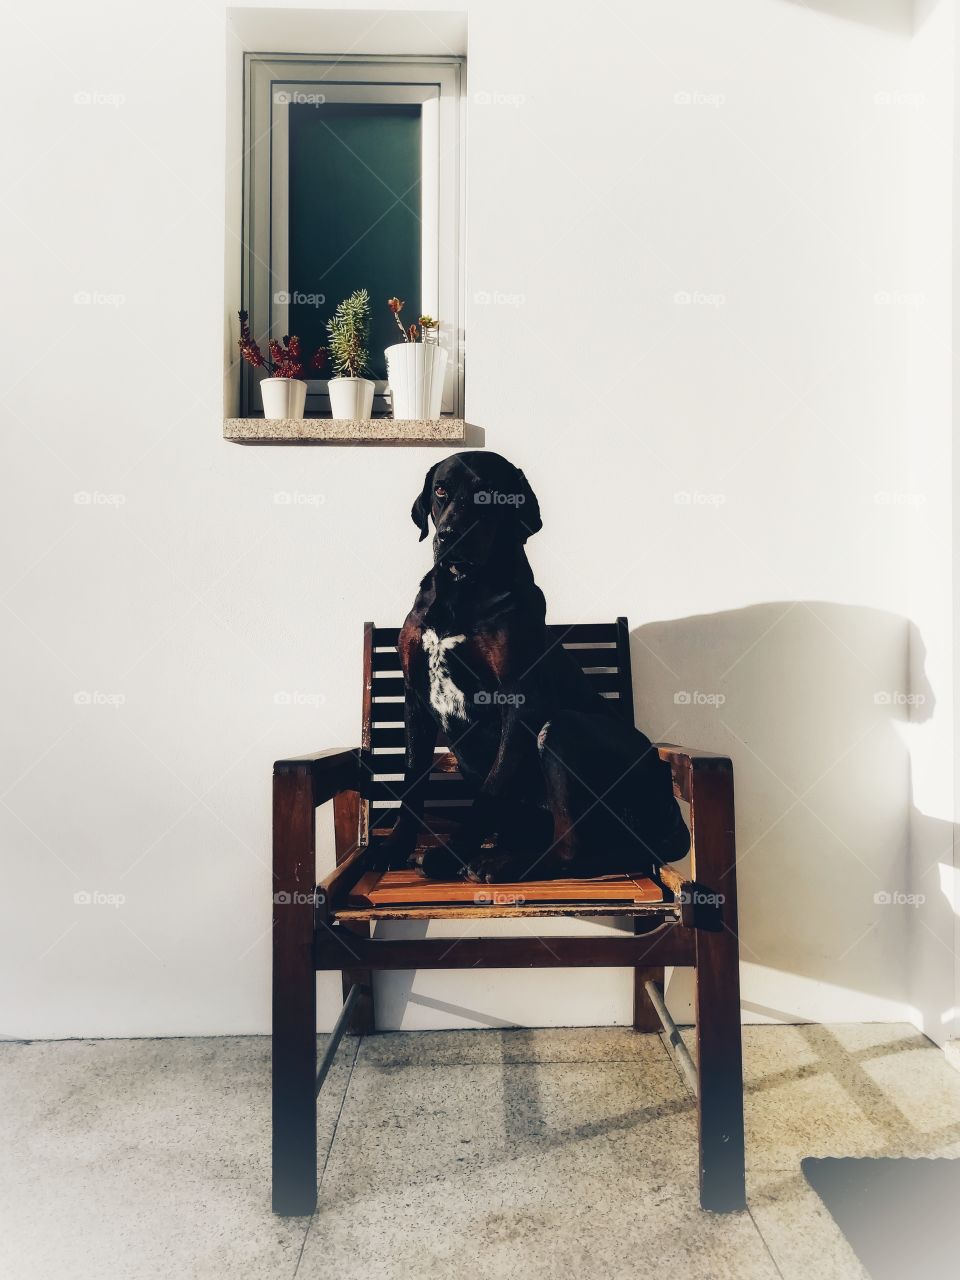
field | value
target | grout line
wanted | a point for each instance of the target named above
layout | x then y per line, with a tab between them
763	1241
303	1245
509	1062
661	1036
326	1158
336	1123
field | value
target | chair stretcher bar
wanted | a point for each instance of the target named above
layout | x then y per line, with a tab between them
678	1050
336	1035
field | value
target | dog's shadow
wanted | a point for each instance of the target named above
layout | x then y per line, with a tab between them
810	700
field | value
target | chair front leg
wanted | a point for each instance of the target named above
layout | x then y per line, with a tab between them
717	978
294	993
346	818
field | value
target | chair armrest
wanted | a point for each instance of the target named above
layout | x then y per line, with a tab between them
300	783
333	889
687	761
692	756
705	780
331	771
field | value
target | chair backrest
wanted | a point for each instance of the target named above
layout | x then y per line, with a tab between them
601	648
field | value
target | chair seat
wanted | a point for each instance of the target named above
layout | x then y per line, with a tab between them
410	895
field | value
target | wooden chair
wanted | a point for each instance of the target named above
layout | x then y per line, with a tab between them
676	921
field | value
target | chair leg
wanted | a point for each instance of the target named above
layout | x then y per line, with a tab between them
645	1016
363	1019
294	997
347	823
717	981
720	1073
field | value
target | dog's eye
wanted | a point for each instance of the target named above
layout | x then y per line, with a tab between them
440	491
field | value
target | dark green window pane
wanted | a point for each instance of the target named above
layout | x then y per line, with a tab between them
354	221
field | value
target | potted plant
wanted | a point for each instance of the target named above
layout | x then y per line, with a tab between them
351	394
415	367
283	391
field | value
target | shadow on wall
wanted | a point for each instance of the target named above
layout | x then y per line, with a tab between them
805	698
893	16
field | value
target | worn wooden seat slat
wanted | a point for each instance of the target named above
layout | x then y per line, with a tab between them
393	888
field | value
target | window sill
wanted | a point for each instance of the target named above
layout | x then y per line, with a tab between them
343	431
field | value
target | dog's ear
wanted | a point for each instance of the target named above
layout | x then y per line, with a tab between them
420	511
527	511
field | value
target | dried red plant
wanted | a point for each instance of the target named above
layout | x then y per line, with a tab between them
286	355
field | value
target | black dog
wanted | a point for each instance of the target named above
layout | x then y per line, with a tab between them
565	786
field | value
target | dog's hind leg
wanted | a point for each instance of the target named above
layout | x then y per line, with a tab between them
611	797
564	791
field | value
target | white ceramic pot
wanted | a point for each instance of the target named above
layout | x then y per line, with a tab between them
283	397
351	398
415	373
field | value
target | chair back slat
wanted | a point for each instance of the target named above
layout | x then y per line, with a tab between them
602	650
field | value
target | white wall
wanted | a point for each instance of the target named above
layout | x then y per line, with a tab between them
631	154
926	322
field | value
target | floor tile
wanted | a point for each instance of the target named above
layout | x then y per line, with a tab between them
145	1158
511	1169
797	1228
566	1044
861	1090
475	1153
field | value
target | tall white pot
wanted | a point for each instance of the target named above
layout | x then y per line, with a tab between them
283	397
351	398
415	373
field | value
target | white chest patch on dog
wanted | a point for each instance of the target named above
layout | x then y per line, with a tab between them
445	696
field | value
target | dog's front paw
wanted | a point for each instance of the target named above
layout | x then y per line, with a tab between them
393	853
438	863
490	868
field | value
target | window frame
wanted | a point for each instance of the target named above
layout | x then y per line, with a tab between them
437	84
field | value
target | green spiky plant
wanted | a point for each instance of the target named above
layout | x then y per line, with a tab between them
349	331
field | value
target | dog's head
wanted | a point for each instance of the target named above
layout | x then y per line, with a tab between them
479	503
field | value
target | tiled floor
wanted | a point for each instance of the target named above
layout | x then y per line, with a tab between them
452	1154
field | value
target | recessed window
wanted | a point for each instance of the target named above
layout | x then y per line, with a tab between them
352	180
